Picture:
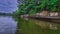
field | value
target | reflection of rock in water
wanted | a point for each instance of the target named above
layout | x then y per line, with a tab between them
43	24
24	16
46	25
51	26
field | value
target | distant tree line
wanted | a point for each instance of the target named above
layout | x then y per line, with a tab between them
6	14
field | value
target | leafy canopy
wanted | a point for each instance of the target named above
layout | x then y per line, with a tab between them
33	6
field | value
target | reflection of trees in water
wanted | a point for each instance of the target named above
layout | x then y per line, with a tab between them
19	24
24	26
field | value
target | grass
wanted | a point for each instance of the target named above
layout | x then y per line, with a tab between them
30	27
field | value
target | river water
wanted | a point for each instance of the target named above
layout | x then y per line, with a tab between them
7	25
34	26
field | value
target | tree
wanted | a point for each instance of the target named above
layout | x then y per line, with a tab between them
33	6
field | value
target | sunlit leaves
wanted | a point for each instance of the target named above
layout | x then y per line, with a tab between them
33	6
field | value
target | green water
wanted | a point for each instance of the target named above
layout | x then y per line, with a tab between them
33	26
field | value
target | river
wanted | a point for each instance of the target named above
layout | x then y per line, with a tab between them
33	26
7	25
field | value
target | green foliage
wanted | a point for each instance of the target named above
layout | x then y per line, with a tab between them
33	6
51	6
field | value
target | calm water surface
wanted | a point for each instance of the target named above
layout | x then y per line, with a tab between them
7	25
